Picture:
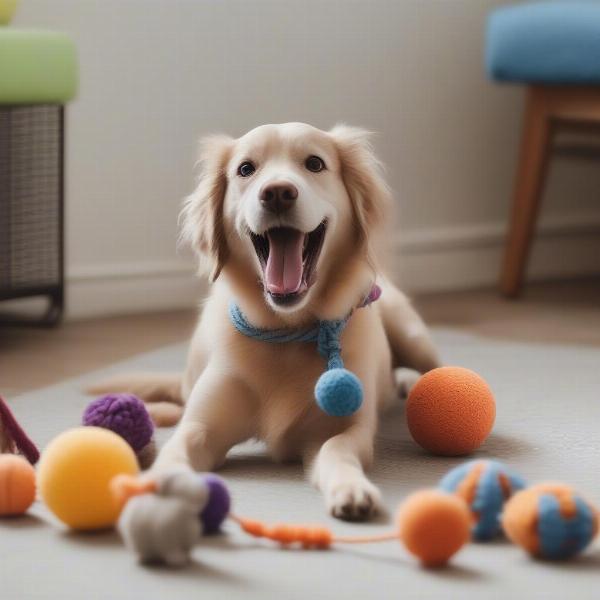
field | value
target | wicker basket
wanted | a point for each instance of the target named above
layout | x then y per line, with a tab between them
31	204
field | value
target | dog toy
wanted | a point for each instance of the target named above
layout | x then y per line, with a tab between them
126	415
17	485
550	520
338	392
161	515
450	411
13	439
485	485
161	522
434	526
75	472
218	505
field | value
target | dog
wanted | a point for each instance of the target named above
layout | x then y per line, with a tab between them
288	220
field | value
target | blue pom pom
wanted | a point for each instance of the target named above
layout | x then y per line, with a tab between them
339	392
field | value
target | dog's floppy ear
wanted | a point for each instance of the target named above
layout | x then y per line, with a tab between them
202	215
362	175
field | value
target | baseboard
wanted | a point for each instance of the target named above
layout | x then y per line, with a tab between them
109	289
468	257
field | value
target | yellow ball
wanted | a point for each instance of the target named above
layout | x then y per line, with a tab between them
74	475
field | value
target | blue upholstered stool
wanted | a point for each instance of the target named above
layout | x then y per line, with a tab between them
554	48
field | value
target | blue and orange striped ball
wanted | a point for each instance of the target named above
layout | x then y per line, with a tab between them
485	485
550	520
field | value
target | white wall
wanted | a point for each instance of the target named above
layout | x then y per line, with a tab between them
155	74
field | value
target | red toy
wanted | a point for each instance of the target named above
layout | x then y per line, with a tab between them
13	440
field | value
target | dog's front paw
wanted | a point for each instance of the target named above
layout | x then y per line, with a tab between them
405	381
354	500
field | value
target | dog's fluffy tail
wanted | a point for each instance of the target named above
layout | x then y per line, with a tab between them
160	391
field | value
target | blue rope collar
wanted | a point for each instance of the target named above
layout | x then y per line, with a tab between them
338	392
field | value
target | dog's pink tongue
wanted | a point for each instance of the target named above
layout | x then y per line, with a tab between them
283	273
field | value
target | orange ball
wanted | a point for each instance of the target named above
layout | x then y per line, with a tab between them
17	485
450	411
434	525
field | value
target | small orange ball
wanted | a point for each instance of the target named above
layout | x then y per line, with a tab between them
450	411
434	525
17	485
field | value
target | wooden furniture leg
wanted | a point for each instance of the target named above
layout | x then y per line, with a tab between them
528	189
547	109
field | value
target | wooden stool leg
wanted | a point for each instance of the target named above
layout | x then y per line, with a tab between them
529	184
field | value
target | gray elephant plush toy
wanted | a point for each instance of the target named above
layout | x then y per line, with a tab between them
164	526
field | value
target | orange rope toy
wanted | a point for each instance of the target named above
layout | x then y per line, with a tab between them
432	524
309	536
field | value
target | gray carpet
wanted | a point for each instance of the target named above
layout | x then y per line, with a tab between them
547	428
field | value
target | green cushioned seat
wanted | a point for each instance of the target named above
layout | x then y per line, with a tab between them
36	67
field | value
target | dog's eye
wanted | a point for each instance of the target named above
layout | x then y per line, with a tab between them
246	169
314	164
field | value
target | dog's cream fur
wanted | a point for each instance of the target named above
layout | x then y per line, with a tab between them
234	387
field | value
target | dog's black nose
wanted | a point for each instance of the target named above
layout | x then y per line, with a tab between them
279	196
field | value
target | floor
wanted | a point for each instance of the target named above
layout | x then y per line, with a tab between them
30	358
546	428
565	312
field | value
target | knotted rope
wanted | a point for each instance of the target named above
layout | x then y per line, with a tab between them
338	391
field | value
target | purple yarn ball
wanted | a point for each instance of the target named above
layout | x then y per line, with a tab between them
125	414
219	503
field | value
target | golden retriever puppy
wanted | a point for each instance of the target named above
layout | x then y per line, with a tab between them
287	219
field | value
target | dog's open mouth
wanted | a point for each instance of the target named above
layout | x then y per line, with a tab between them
288	258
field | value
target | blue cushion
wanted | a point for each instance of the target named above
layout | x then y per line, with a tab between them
545	42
